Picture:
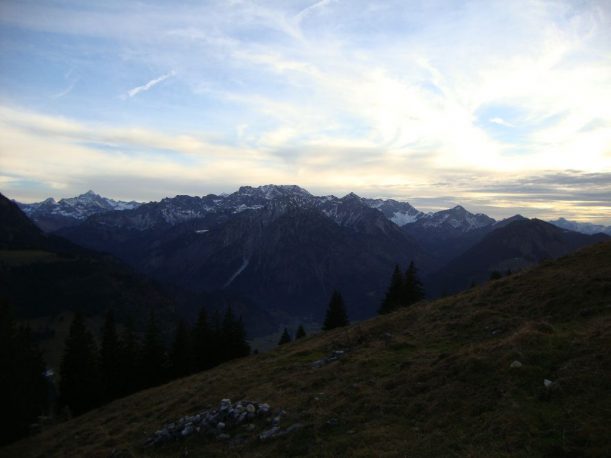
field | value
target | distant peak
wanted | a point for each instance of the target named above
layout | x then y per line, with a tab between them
351	196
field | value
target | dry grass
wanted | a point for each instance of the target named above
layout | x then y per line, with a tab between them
431	380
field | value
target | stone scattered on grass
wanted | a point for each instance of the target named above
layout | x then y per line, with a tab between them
221	423
334	356
547	383
516	364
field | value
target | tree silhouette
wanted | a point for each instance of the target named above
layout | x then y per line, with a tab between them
202	343
23	388
110	360
336	313
180	353
234	336
395	293
79	385
495	275
153	355
131	379
413	290
300	332
285	338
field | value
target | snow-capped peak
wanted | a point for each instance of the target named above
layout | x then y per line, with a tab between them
79	207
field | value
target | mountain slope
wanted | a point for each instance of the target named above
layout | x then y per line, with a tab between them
16	230
44	277
510	246
435	379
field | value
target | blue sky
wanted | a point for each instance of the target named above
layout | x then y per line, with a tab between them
500	106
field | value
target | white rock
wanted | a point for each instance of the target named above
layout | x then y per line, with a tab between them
547	383
516	364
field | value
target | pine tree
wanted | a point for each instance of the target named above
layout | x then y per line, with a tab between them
395	293
131	380
217	341
180	354
234	336
110	360
413	290
336	313
23	388
153	355
495	275
79	385
285	338
202	343
300	332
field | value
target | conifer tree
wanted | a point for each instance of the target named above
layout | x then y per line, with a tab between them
336	315
79	385
495	275
413	290
285	338
23	388
131	380
300	332
202	343
217	341
110	360
234	336
153	355
395	293
180	354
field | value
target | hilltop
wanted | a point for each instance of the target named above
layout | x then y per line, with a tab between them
435	379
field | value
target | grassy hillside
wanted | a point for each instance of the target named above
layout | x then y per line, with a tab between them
432	380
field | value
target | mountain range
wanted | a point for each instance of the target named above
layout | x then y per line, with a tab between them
281	250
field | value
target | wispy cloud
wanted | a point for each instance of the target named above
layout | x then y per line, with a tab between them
145	87
501	122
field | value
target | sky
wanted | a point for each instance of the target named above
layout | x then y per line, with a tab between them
503	107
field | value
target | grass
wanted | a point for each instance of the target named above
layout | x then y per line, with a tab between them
430	380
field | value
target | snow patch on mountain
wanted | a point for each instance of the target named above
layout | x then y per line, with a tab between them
238	272
403	218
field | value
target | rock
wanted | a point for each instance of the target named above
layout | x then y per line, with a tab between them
223	437
269	434
263	408
220	425
516	364
319	363
188	430
294	427
547	383
250	408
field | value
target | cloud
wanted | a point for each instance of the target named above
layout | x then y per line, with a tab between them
501	122
145	87
389	98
